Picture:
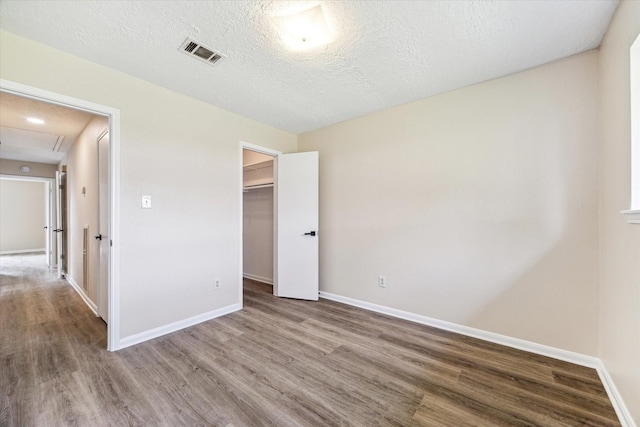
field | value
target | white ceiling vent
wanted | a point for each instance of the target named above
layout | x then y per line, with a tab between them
198	50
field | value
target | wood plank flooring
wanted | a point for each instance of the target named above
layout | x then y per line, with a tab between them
276	363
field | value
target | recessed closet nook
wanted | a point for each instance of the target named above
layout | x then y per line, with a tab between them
257	205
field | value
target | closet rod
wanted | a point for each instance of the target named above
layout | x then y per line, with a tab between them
252	187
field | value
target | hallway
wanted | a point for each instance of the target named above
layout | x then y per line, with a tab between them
47	331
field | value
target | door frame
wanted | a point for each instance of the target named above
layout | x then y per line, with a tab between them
113	114
270	152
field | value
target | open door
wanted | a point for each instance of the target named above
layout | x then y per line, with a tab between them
103	227
296	208
51	221
59	231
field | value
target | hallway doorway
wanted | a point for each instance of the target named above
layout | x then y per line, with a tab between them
88	244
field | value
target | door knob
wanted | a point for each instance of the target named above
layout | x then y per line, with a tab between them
311	233
99	237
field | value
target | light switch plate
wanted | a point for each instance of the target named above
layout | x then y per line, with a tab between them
146	202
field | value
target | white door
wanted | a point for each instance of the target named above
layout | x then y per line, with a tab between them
51	220
296	208
103	227
60	222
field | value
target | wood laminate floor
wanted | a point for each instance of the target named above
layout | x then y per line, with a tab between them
278	362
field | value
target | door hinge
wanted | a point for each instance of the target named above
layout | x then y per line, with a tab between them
110	242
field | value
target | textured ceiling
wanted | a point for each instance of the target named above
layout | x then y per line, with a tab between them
385	53
43	143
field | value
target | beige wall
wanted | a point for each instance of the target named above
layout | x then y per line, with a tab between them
620	241
22	215
479	205
185	154
41	170
82	210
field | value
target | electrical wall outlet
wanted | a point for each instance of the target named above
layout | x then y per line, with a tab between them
217	283
382	281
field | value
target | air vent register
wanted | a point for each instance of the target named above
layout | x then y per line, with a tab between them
199	51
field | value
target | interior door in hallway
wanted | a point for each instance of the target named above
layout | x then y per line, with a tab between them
51	221
60	230
296	266
103	227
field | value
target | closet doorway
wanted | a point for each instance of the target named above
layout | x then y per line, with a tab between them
258	216
279	229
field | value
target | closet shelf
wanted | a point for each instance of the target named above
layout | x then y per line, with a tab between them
258	165
258	175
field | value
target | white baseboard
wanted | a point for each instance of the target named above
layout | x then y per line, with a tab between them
83	295
544	350
176	326
614	395
21	251
258	278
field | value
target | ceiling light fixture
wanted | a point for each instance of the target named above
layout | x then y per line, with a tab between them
35	120
304	30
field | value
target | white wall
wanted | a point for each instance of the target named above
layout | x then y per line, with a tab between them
82	210
185	154
22	215
480	206
620	241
